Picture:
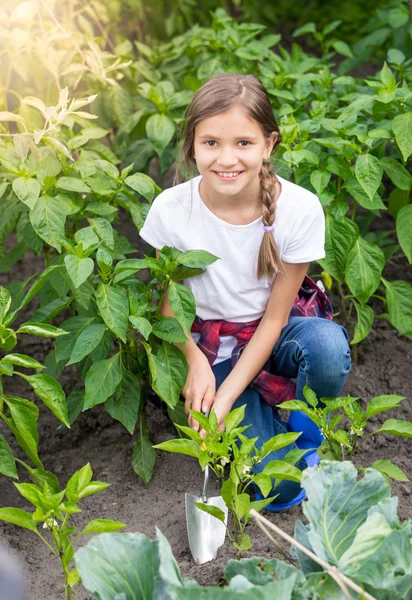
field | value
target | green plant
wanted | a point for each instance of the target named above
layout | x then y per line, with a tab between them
342	444
232	447
54	508
353	529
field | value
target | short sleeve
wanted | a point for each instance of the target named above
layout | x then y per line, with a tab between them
307	240
155	230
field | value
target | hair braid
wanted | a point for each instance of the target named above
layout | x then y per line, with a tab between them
269	261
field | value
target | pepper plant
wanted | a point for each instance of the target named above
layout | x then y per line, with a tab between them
344	443
231	447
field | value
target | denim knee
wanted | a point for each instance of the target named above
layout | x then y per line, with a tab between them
326	349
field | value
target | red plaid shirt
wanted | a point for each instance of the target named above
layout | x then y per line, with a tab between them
310	301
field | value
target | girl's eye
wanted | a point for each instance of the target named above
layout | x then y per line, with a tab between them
213	142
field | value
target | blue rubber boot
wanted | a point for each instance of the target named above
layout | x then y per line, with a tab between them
311	435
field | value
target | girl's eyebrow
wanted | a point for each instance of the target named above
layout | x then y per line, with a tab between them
241	137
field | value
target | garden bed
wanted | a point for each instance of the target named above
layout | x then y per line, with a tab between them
383	368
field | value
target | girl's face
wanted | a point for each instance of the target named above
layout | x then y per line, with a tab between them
229	149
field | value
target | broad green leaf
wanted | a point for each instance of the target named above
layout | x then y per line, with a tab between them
279	441
78	268
51	309
402	128
39	283
382	403
160	130
94	487
102	526
7	464
364	266
320	180
86	342
48	219
364	324
126	561
169	329
404	230
142	325
72	184
22	360
142	184
183	304
368	172
104	230
5	302
300	405
234	418
399	302
51	393
143	458
338	504
396	427
74	326
27	190
125	404
264	483
279	469
168	372
214	511
388	468
399	176
8	339
19	517
102	380
41	329
24	425
86	236
342	48
180	446
340	237
196	259
113	308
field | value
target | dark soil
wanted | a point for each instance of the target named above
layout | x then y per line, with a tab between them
384	367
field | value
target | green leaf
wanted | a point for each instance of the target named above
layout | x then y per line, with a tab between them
86	236
264	482
5	302
48	219
7	464
51	309
78	268
142	184
27	190
196	259
102	380
102	526
279	469
72	184
388	468
124	559
279	441
382	403
41	329
22	360
404	230
402	128
364	267
363	327
160	131
142	325
340	237
181	446
87	341
19	517
113	308
104	230
169	329
126	403
74	326
397	173
368	172
215	511
396	427
24	425
342	48
51	393
399	301
320	180
300	405
168	372
143	458
183	304
234	418
338	504
38	284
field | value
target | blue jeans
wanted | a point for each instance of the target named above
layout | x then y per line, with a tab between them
313	351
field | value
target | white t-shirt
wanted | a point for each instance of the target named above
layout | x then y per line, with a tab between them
229	289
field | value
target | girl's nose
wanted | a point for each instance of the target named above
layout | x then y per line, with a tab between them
227	158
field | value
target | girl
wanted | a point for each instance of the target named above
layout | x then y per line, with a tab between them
265	231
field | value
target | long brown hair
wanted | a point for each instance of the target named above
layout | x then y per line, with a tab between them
219	94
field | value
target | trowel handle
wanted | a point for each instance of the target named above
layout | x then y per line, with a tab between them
204	495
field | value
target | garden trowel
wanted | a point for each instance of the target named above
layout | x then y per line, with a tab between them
205	532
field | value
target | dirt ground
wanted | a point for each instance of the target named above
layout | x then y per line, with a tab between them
384	367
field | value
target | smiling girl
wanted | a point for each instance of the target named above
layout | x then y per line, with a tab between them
252	341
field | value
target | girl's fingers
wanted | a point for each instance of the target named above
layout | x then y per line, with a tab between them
208	400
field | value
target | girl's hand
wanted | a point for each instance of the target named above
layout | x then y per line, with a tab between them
200	387
222	407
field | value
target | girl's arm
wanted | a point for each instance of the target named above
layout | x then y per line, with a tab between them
260	346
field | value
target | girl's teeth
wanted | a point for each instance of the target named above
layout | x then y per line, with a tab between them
228	176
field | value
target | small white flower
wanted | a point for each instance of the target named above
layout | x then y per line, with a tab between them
246	469
224	461
50	523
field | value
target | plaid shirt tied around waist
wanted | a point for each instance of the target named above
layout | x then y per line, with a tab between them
310	301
